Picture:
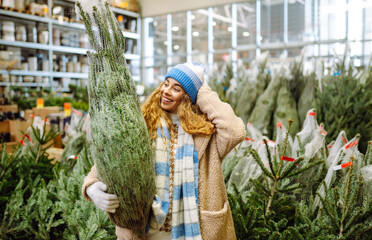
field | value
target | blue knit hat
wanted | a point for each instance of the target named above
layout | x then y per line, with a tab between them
190	75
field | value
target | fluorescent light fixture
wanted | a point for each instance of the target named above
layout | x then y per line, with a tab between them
246	34
175	28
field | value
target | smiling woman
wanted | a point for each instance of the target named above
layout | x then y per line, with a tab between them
192	131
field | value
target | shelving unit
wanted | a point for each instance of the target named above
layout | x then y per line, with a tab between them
53	50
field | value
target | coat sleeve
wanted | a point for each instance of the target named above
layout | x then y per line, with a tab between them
229	128
91	178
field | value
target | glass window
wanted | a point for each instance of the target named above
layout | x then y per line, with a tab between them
272	21
367	34
332	19
296	20
178	38
222	27
199	31
159	34
246	23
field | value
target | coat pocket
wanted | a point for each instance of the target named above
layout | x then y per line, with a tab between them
217	225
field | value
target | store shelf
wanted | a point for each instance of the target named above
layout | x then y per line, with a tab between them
26	73
25	44
117	10
23	16
69	75
60	49
69	52
45	74
24	84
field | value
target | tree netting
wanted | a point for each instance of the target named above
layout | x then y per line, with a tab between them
120	144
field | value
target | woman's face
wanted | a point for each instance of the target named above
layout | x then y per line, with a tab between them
171	95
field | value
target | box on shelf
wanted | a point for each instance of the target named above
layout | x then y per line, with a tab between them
130	5
15	128
8	108
44	112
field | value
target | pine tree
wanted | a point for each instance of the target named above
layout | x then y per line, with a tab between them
344	103
120	145
267	210
347	211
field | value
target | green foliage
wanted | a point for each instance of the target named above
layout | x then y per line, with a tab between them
221	84
120	144
44	201
345	103
347	211
278	204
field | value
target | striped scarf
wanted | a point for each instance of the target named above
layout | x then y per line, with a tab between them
184	207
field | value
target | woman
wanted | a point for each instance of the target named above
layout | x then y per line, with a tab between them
192	131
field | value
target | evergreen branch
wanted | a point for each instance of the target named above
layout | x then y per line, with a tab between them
290	169
271	198
88	26
260	188
260	163
305	168
327	206
273	171
294	187
284	148
345	202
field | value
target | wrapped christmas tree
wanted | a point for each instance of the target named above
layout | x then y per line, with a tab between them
120	144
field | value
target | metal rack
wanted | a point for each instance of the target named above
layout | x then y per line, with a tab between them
50	48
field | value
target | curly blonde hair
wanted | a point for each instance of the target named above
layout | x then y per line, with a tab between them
192	120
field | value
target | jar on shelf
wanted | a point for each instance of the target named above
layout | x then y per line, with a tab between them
83	40
45	65
8	30
21	34
32	63
62	63
43	37
31	33
56	37
70	66
19	4
28	79
8	3
45	80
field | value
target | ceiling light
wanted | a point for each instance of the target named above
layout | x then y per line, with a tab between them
229	29
176	47
175	28
260	38
195	34
246	34
192	17
214	23
165	43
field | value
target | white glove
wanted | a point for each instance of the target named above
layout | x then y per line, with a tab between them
106	202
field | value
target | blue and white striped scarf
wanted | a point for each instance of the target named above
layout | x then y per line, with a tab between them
185	215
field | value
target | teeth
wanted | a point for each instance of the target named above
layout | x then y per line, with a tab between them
166	99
